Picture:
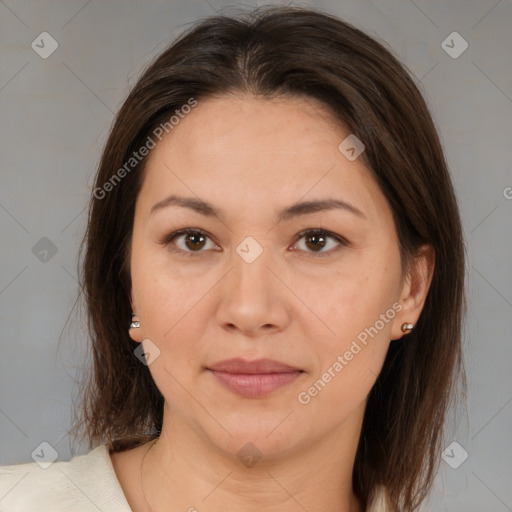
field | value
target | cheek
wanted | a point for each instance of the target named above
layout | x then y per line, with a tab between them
354	299
349	361
358	308
337	393
164	294
167	306
173	315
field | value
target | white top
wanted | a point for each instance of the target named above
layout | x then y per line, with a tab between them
86	483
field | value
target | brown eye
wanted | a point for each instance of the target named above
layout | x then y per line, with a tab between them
194	241
188	241
316	241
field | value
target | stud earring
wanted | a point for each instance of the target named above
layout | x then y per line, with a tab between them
136	324
407	327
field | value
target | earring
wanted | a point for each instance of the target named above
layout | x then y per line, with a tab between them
407	327
136	324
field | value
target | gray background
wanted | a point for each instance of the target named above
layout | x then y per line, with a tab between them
56	113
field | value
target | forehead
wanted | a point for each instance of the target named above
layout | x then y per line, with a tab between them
241	123
238	149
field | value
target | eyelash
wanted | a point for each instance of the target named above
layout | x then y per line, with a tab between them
311	231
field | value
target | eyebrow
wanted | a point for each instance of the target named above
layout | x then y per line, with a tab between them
301	208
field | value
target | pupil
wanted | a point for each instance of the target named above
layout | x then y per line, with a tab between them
317	237
194	243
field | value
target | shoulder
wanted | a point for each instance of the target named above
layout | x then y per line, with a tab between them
380	501
85	483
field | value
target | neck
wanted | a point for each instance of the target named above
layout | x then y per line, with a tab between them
187	470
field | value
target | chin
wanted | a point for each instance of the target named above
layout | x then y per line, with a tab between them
254	436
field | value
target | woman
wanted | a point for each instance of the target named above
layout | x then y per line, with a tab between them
274	272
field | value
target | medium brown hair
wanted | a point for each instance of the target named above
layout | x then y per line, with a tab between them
290	51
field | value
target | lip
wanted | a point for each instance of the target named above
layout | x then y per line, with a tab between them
258	366
254	379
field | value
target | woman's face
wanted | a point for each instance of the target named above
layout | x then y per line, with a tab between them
249	286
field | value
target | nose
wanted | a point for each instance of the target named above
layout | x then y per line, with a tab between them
253	297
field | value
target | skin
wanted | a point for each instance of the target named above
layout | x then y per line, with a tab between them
251	157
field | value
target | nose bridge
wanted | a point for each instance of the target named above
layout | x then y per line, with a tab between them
251	261
251	294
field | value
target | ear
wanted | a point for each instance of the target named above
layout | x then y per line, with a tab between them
415	289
